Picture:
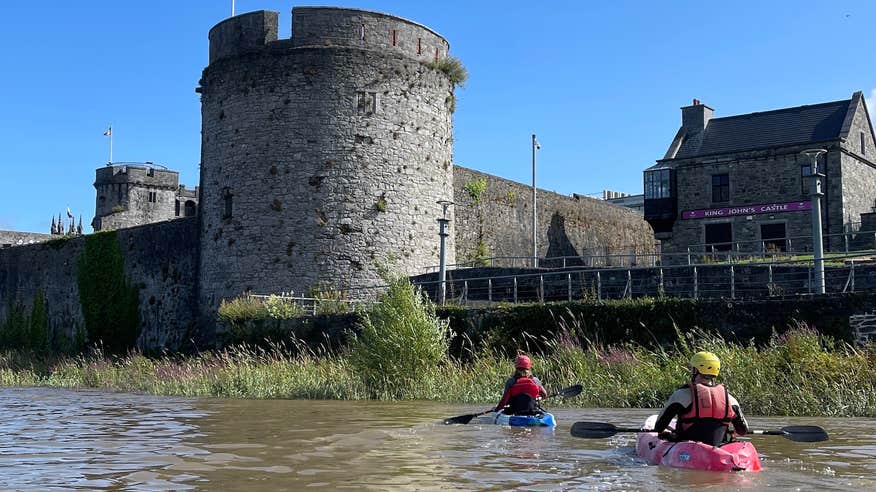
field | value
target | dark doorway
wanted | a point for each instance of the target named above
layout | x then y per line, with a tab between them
190	208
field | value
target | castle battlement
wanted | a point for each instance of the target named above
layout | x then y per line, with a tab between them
136	174
327	27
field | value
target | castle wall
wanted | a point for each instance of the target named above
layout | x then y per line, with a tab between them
567	226
318	163
9	239
159	258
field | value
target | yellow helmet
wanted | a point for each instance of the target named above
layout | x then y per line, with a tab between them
706	363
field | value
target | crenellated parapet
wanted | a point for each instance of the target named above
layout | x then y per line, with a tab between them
331	26
328	27
242	33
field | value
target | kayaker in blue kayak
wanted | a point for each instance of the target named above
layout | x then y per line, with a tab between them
704	410
522	390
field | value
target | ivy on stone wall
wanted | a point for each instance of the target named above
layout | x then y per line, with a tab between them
110	304
20	331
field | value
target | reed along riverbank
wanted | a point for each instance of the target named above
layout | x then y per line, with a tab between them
401	353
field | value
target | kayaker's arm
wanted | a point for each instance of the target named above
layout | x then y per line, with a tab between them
505	395
542	393
740	425
666	416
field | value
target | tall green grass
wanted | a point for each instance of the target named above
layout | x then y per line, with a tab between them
401	353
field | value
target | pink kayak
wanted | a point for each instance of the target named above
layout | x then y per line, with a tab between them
734	456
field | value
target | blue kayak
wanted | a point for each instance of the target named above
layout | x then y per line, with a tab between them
545	419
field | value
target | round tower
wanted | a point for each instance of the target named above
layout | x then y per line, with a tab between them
322	156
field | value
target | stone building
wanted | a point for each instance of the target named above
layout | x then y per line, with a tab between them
740	182
132	194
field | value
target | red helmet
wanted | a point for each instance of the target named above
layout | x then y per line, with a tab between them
523	362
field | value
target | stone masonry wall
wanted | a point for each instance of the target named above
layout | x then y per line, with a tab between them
123	196
159	258
756	177
9	239
329	26
567	226
318	163
858	169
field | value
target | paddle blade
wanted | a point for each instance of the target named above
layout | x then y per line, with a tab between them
805	433
460	419
571	391
593	430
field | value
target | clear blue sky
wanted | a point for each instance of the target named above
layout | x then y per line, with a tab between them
600	83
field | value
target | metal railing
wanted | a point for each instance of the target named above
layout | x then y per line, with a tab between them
730	252
730	280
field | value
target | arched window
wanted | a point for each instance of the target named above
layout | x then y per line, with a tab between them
190	208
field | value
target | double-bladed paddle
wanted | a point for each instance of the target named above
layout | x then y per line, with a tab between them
799	433
464	419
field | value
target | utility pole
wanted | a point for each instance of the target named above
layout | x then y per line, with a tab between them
816	193
535	146
443	221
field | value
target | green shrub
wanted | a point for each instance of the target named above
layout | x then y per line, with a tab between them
241	309
476	189
328	300
453	68
282	308
401	342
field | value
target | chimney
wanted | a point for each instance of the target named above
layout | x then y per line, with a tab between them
695	117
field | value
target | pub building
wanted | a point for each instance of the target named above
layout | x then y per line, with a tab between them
741	182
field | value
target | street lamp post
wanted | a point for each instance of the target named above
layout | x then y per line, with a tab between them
535	146
442	267
816	193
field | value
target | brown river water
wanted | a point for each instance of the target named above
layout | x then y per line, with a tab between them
87	440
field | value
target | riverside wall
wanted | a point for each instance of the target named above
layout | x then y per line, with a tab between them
160	259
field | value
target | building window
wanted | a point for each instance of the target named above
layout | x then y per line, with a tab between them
227	199
152	196
119	191
366	102
176	209
719	237
863	144
657	184
720	187
805	171
773	237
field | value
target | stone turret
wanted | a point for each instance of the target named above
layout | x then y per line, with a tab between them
323	155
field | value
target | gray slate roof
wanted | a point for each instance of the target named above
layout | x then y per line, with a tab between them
779	128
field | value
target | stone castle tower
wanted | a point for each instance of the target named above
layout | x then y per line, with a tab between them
132	194
323	155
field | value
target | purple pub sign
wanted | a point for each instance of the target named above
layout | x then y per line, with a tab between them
767	208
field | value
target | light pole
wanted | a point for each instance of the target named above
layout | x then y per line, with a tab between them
815	193
442	267
535	146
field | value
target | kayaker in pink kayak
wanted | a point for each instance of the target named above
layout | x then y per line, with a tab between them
705	410
521	390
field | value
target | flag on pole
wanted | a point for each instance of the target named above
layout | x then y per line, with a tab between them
69	213
108	132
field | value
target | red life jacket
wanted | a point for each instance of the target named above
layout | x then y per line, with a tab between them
709	415
521	395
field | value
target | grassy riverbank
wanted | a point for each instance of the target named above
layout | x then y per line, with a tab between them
401	353
794	375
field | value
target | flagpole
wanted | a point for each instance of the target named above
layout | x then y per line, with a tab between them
232	8
111	144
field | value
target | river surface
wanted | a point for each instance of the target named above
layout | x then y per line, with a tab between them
87	440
